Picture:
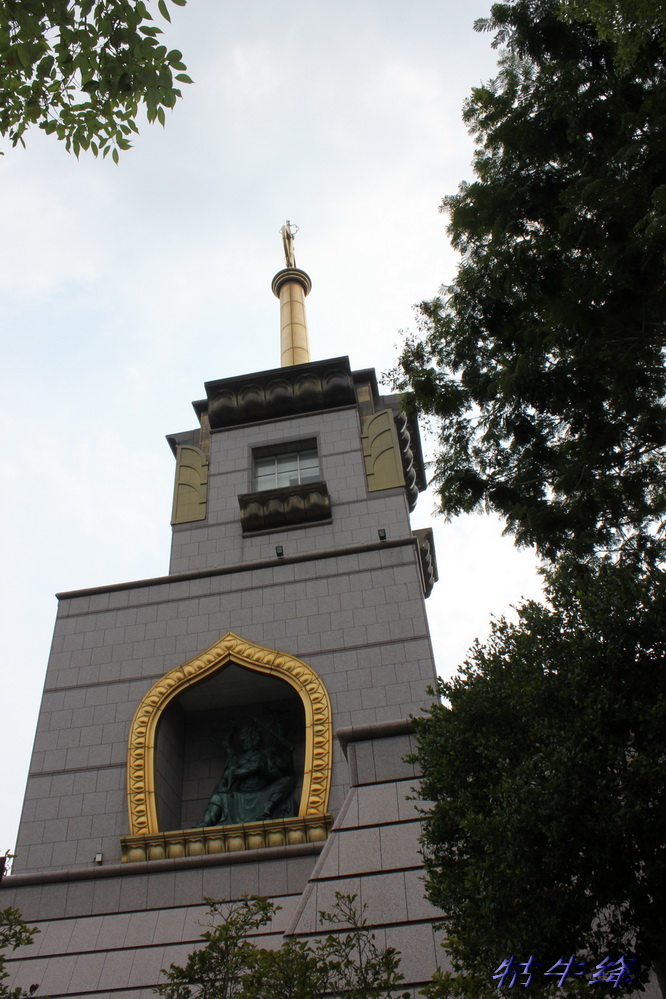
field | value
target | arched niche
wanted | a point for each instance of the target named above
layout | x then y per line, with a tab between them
231	677
203	725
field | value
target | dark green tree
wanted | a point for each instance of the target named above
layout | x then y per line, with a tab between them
346	964
14	933
543	364
626	22
547	765
83	69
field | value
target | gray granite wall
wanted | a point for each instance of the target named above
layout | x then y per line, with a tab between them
358	619
356	514
373	853
348	605
108	933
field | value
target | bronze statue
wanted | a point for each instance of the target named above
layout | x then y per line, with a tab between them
258	780
288	231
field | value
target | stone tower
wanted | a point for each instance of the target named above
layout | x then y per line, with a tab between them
240	725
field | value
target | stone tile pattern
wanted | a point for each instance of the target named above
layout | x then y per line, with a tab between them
123	928
105	934
373	853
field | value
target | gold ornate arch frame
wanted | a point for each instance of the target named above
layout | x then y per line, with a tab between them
145	840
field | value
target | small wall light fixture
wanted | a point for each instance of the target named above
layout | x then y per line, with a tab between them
279	551
381	534
99	857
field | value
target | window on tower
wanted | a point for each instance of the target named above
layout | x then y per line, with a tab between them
287	488
290	468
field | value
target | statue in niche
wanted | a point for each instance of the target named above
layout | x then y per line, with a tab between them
258	781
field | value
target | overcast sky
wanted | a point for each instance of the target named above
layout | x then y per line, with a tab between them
124	288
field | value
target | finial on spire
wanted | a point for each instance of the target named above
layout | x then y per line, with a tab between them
288	231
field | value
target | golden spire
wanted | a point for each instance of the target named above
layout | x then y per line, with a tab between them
291	285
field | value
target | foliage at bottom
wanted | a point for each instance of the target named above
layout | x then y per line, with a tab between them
345	963
14	932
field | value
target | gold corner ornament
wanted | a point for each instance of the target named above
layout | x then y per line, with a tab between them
141	797
202	842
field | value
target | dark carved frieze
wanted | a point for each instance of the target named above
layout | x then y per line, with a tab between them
285	507
266	395
426	542
409	465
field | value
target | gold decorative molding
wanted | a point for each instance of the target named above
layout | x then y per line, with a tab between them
141	797
191	486
381	451
225	839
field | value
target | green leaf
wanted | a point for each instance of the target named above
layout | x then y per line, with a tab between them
81	69
46	65
23	55
184	78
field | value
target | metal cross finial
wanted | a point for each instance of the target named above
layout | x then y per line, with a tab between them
288	231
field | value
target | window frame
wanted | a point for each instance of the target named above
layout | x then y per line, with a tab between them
282	450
